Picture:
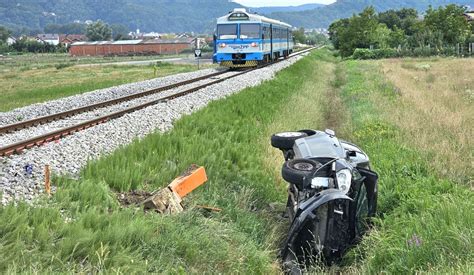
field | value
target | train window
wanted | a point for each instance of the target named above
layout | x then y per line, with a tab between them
227	31
249	31
266	33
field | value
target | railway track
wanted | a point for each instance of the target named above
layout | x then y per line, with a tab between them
23	144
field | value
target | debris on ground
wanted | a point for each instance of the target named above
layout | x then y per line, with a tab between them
168	200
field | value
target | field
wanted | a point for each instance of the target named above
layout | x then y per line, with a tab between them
413	117
28	79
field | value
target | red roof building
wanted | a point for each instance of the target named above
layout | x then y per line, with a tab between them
130	47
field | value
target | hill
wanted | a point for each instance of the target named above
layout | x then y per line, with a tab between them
179	15
324	16
268	10
146	15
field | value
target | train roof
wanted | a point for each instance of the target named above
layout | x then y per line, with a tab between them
239	15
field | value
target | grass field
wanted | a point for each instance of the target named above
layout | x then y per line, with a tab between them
83	229
29	79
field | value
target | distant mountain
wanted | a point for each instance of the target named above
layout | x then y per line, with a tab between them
268	10
180	15
146	15
324	16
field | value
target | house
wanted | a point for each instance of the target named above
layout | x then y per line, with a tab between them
68	39
48	38
11	40
469	16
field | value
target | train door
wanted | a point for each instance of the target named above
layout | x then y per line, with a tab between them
271	42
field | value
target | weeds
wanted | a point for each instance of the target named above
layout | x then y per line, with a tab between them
425	222
49	82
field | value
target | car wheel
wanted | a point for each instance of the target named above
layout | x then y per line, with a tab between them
296	170
286	140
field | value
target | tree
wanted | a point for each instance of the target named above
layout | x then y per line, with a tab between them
450	22
71	28
381	36
360	33
299	36
119	32
337	31
4	34
98	31
403	19
397	38
317	38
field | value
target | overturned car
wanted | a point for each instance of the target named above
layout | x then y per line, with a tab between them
332	195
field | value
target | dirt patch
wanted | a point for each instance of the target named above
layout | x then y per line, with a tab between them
335	112
133	198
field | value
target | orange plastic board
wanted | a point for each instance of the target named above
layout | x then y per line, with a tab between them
186	184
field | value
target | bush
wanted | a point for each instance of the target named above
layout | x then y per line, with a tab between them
4	48
63	65
375	54
365	54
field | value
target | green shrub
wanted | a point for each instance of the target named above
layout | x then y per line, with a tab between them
375	54
63	65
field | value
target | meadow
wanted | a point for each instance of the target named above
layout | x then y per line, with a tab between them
28	79
425	221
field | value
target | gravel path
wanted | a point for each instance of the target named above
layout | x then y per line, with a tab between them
68	155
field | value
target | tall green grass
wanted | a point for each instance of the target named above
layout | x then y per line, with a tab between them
83	229
426	223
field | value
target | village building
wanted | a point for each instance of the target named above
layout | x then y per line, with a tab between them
131	47
469	16
11	40
48	38
68	39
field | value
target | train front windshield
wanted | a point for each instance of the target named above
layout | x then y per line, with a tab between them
249	31
228	31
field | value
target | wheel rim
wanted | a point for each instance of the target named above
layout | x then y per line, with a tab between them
304	166
289	134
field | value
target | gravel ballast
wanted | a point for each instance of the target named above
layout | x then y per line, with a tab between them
22	176
89	98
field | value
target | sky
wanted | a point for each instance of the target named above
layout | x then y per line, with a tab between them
264	3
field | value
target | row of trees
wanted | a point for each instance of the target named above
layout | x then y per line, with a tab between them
95	31
312	38
440	29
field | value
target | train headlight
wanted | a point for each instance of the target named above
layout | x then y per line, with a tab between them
222	45
254	44
344	178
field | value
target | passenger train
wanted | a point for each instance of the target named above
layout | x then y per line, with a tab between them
243	39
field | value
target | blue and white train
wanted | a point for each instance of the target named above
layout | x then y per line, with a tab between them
244	39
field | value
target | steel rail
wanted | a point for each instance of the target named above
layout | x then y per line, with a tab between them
48	118
19	147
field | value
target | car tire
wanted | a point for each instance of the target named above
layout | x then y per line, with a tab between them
286	140
296	170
